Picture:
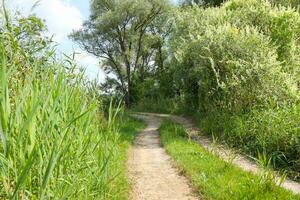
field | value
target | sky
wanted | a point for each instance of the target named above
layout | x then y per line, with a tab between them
61	18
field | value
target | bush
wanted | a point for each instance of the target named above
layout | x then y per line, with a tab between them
234	65
238	65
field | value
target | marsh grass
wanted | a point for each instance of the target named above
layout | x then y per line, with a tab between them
55	142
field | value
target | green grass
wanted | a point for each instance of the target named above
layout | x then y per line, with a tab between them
211	176
128	130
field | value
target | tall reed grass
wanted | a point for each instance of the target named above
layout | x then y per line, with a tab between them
54	140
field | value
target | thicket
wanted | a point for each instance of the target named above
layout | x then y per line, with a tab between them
54	140
235	68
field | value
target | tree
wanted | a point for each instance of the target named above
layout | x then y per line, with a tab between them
116	32
29	31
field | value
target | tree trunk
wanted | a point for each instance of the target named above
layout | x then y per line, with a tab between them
161	61
128	71
129	85
127	100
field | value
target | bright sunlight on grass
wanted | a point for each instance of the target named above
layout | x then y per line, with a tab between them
211	176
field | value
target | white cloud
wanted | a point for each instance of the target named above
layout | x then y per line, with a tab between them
60	15
91	65
61	18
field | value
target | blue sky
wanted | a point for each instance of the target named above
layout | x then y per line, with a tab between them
61	17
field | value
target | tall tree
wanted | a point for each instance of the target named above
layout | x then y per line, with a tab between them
116	32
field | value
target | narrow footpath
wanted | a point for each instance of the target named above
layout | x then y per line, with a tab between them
226	154
151	172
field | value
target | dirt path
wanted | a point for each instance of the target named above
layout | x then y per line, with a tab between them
151	171
223	152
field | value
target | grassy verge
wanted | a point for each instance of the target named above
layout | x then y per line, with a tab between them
213	177
120	186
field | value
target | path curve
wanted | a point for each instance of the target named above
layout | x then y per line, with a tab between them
150	168
226	154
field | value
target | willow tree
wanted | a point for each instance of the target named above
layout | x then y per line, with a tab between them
116	32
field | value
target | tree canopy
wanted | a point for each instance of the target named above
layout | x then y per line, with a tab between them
122	33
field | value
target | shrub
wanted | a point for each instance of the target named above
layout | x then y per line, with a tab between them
238	66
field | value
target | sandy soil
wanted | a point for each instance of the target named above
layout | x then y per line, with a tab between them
150	169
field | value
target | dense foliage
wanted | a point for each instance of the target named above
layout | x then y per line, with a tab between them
236	69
